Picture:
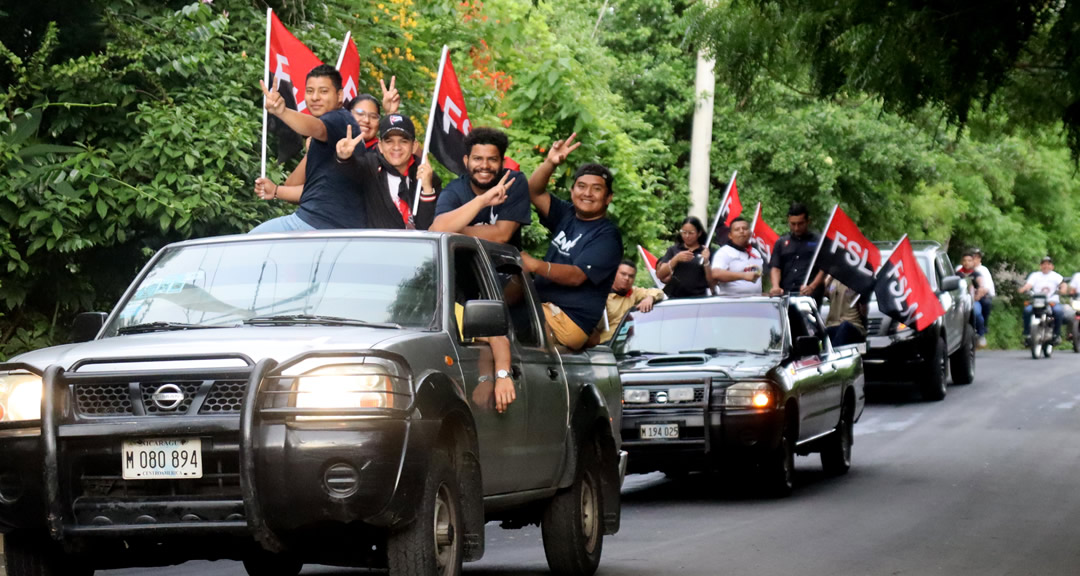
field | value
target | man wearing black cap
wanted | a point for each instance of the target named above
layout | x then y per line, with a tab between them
1048	282
389	180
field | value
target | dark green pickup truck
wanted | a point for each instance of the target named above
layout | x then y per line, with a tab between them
308	398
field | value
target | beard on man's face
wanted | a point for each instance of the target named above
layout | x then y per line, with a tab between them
484	185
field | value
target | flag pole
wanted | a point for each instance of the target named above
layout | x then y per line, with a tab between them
821	241
720	209
753	223
266	81
431	116
344	43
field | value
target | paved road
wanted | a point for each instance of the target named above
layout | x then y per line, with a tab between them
983	483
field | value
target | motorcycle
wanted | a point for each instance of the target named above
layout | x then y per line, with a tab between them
1072	325
1042	327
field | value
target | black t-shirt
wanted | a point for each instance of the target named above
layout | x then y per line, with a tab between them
595	246
792	255
688	279
516	208
331	199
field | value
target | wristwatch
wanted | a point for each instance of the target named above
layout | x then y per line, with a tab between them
502	374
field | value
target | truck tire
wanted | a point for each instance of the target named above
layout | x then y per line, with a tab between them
37	555
935	374
962	362
777	469
836	454
572	526
433	544
263	563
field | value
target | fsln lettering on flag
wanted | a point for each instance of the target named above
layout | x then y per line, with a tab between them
451	122
902	291
290	62
847	255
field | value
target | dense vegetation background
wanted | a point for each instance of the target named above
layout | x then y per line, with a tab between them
128	124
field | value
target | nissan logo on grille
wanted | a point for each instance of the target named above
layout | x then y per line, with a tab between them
168	397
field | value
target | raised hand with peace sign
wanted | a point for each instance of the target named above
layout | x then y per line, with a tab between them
561	149
391	99
347	145
274	103
496	194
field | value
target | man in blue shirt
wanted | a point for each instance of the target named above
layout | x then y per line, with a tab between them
576	275
330	198
489	202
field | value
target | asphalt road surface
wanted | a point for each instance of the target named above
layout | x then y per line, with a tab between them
982	483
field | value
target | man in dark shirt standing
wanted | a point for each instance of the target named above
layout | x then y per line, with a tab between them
576	275
471	206
330	198
791	257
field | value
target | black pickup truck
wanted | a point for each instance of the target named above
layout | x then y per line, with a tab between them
311	398
736	384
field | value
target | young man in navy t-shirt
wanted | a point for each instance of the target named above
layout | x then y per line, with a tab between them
489	202
330	198
576	275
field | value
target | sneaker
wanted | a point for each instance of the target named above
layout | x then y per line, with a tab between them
982	342
1027	340
1056	340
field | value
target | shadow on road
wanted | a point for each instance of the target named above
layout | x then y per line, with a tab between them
732	487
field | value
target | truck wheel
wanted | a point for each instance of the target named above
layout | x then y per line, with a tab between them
936	375
836	454
778	467
264	563
572	527
962	362
432	544
31	555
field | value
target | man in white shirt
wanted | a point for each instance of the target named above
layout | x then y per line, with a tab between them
1048	282
735	269
985	295
1069	313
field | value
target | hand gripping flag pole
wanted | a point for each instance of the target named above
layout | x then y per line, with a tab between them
431	116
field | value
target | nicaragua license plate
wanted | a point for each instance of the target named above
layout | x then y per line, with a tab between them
162	459
659	431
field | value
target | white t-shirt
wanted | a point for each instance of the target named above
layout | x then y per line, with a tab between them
987	280
1074	283
1046	284
734	260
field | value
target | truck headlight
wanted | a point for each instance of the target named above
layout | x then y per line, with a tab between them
749	395
20	397
345	387
636	396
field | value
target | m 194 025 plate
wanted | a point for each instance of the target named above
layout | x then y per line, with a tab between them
659	431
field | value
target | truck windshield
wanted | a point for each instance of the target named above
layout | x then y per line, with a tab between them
727	326
361	279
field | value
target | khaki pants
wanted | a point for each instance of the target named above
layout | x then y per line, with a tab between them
562	329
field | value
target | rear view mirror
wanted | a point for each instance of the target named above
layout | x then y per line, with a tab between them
950	283
807	346
484	319
86	326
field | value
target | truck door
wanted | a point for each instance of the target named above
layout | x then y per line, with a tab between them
544	378
811	377
500	436
953	303
830	391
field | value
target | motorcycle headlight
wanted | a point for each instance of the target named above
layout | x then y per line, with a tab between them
20	397
749	395
345	387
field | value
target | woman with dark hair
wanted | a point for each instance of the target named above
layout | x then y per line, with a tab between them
683	273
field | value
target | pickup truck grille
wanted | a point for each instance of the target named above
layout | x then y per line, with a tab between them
873	325
137	399
699	396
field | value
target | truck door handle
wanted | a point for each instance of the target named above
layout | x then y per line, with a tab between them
553	373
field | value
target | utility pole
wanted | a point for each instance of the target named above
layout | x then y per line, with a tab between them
701	139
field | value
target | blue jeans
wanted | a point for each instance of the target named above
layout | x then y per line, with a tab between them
844	333
980	320
290	223
987	304
1059	315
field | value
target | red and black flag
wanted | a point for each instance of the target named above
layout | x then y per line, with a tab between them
448	122
730	208
846	254
650	265
762	236
287	65
903	293
348	65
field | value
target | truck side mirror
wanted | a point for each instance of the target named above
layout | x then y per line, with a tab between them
807	346
484	319
950	283
86	326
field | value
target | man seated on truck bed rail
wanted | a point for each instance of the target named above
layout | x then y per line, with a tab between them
576	275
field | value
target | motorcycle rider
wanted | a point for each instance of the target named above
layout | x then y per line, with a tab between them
1048	282
1072	291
